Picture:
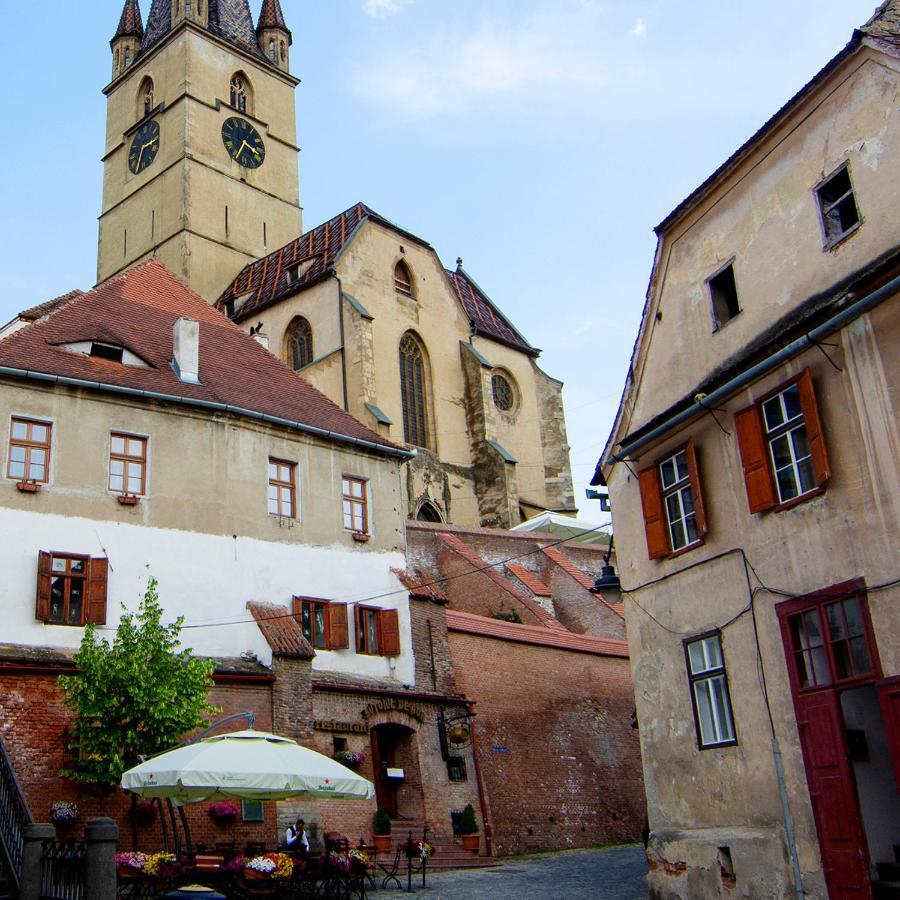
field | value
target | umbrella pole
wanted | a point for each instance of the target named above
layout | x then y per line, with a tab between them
176	838
189	844
162	822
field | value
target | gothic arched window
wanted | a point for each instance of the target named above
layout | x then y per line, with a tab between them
239	93
146	96
283	51
428	512
403	279
299	344
272	49
127	57
413	391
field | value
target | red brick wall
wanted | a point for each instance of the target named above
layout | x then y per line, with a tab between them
570	773
434	666
577	608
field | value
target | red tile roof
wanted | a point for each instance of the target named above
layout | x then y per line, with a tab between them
137	310
421	586
468	623
480	565
131	23
569	567
271	16
485	318
44	309
530	580
281	631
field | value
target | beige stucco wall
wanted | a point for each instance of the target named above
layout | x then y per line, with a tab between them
193	180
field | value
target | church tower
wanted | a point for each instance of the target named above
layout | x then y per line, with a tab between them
201	167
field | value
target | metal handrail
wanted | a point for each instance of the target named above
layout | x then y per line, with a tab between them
14	816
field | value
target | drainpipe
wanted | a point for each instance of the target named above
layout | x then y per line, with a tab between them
482	800
755	372
337	278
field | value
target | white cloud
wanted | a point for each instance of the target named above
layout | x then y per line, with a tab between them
379	9
640	29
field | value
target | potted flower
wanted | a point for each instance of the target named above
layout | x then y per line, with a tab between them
418	849
269	865
350	758
381	830
468	828
130	865
224	811
64	813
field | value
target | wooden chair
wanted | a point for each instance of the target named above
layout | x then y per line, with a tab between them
391	871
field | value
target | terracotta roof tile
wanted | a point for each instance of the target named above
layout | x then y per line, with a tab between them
480	565
131	23
485	318
534	634
44	309
281	631
137	310
569	567
421	586
530	580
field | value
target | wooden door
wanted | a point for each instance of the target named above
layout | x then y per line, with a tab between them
833	792
889	698
382	759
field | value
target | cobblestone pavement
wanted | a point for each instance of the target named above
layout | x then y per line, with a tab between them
616	873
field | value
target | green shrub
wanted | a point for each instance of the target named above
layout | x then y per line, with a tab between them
381	822
468	824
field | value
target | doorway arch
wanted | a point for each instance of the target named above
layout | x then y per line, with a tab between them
395	747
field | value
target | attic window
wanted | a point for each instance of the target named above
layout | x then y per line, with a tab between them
403	279
837	206
107	351
723	291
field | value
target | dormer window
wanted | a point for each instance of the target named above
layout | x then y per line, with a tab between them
296	271
107	351
403	279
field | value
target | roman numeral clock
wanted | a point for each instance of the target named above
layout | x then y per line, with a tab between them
243	143
144	147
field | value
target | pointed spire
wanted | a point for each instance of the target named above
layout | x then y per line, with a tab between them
274	35
131	24
270	16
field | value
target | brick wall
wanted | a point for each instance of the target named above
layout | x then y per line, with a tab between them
577	608
559	760
434	666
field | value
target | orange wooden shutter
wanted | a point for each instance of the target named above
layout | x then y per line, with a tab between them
98	573
694	472
755	460
42	607
654	515
340	632
388	632
821	466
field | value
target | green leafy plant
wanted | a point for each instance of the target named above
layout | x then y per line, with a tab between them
468	823
135	697
381	822
511	616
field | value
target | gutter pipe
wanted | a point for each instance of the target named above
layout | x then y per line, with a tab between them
195	403
755	372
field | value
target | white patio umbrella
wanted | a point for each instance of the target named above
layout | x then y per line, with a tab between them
245	765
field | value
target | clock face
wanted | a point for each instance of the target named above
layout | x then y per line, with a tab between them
144	147
243	143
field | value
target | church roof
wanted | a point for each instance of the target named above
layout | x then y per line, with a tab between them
137	311
228	19
276	276
271	16
131	24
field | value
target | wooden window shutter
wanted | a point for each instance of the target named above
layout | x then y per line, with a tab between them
654	514
340	630
42	607
98	574
690	453
389	632
755	460
814	434
297	609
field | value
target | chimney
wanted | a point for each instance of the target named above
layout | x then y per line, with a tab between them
261	339
186	348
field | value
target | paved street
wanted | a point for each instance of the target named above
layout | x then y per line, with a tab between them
614	874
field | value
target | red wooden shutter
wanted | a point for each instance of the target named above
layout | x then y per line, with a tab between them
44	576
340	631
98	573
755	459
388	632
889	696
814	434
654	515
694	472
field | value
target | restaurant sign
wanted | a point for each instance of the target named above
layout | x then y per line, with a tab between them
394	704
341	727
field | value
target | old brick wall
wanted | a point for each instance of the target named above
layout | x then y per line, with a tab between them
559	760
577	608
434	665
33	725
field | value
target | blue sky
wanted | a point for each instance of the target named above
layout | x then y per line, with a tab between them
541	140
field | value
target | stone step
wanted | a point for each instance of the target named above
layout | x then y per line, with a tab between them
889	871
886	890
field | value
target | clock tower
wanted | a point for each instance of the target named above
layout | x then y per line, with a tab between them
201	161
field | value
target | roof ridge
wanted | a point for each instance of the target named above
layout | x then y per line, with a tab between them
569	567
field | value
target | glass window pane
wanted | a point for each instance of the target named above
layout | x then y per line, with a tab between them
116	467
36	472
135	486
842	666
320	626
862	664
787	484
58	565
781	452
116	482
690	524
820	666
135	447
19	431
118	445
273	471
813	630
38	457
17	454
792	402
77	566
39	434
687	501
372	632
681	467
705	712
57	599
667	473
358	489
725	727
773	413
346	487
17	470
854	616
135	470
76	604
679	539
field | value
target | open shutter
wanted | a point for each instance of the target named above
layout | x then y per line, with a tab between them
755	460
389	632
889	697
654	515
42	607
340	632
821	466
98	573
694	472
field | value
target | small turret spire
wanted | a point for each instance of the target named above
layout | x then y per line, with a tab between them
126	42
274	35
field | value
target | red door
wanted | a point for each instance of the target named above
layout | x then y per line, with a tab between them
833	793
889	697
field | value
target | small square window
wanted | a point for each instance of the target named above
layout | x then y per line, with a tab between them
128	464
709	692
282	489
837	206
29	451
252	811
456	768
723	290
356	507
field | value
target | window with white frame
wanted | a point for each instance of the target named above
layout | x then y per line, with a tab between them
356	507
678	497
788	444
709	692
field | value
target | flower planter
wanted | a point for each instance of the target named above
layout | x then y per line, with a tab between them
360	538
472	842
128	500
382	842
28	487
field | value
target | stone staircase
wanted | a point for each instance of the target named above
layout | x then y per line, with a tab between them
448	850
888	885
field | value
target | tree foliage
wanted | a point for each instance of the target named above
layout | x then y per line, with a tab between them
135	697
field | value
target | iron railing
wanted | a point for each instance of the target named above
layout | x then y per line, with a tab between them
14	816
62	870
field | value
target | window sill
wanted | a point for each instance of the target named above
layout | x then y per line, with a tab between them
790	504
721	746
834	243
687	549
361	537
28	487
